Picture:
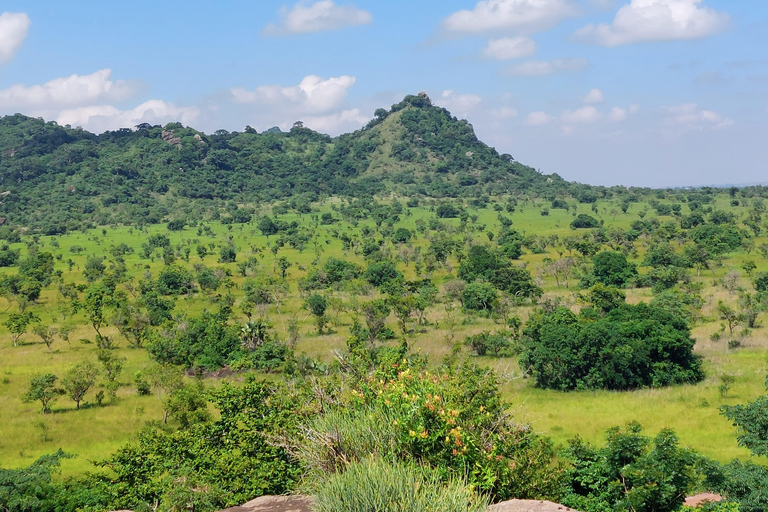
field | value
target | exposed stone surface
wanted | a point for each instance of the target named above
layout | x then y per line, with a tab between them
700	499
275	504
528	506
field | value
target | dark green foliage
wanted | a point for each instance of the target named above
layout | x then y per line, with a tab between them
752	423
382	272
485	343
630	473
231	453
479	296
227	254
486	264
8	257
612	269
718	239
175	280
62	179
31	489
629	347
447	211
402	236
208	341
745	483
584	221
176	225
761	282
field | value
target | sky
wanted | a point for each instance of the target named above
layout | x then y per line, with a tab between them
660	93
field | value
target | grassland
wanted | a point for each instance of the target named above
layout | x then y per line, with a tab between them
96	431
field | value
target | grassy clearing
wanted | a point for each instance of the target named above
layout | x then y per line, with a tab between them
95	431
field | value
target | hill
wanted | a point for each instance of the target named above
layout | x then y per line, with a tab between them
56	178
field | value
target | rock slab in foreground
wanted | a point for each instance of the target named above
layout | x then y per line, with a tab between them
275	504
528	506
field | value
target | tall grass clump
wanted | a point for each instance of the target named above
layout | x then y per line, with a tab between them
376	485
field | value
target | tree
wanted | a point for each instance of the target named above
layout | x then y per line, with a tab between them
43	388
630	347
584	221
31	489
17	323
612	269
46	333
283	264
751	305
267	226
94	268
630	472
113	364
317	304
78	380
479	296
731	317
382	272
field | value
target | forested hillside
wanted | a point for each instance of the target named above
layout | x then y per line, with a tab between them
58	178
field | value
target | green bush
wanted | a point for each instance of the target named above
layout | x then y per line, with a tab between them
375	485
629	347
584	221
630	473
479	296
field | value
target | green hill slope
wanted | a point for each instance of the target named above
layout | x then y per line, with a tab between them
55	178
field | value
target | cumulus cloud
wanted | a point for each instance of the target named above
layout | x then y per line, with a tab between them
99	118
503	113
594	96
508	48
13	31
521	15
543	67
617	114
339	122
690	117
70	91
656	20
538	119
459	104
313	95
583	115
320	16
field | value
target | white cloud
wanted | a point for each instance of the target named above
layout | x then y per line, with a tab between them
313	95
538	119
656	20
520	15
71	91
13	31
99	118
594	96
340	122
583	115
320	16
459	104
634	108
542	67
503	113
617	114
508	48
690	117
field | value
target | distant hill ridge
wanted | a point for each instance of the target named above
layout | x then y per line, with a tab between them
56	178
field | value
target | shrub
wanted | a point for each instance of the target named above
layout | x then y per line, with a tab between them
612	269
584	221
486	342
384	487
629	347
479	296
380	273
630	472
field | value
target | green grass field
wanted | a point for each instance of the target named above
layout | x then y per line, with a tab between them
96	431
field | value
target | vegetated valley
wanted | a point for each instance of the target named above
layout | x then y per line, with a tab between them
193	320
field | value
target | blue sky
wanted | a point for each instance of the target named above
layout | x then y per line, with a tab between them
632	92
